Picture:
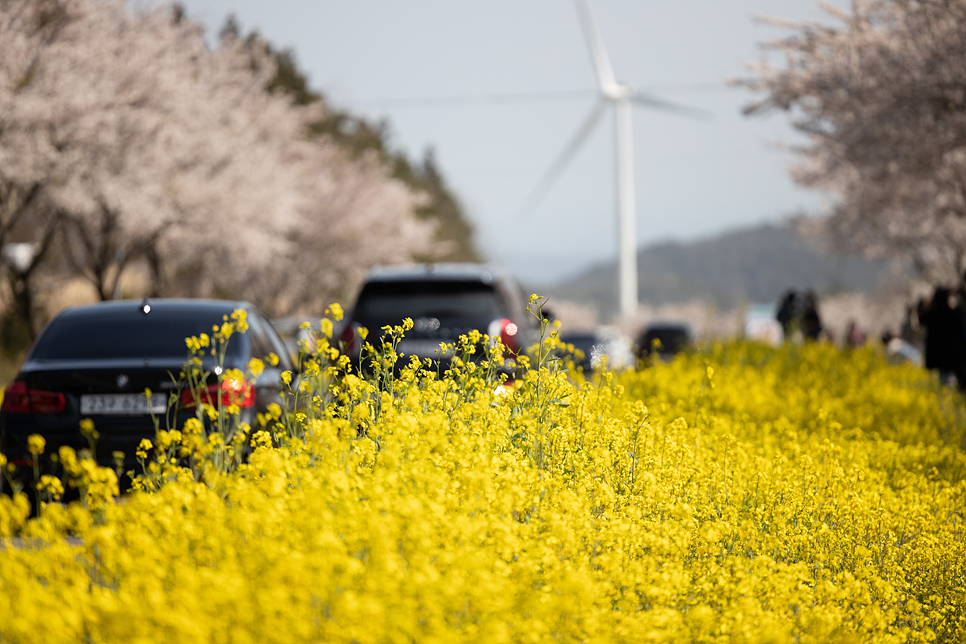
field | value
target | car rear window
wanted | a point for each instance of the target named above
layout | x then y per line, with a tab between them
159	334
382	303
584	342
671	339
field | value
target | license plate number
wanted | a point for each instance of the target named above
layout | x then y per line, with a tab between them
123	404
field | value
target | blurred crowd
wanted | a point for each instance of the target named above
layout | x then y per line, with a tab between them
939	324
932	332
798	316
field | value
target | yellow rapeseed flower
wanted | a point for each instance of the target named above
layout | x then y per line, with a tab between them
812	496
143	448
87	429
35	444
255	367
51	485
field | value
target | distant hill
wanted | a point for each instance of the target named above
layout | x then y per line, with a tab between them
749	265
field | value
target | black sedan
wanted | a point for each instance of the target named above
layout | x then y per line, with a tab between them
96	362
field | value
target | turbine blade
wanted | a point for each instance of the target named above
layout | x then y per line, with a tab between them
558	166
640	98
605	73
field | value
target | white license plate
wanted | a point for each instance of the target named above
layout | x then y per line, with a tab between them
123	404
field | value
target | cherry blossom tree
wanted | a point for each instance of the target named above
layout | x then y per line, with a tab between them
879	92
137	145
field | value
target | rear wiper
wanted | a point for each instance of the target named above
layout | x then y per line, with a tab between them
446	313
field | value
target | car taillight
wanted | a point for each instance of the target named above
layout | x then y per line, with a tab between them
234	391
507	331
348	338
15	399
18	399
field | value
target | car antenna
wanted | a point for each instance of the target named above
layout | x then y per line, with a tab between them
145	306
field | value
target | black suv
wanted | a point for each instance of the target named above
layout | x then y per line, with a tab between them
672	338
444	301
96	361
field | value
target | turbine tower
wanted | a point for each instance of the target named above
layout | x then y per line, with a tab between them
621	96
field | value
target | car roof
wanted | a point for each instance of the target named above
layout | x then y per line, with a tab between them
601	332
446	271
168	305
669	325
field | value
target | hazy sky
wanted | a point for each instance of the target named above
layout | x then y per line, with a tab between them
403	60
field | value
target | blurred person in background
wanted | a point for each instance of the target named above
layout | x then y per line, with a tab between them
898	349
911	330
854	335
811	322
945	336
787	314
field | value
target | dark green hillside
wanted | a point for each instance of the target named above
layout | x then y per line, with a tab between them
749	265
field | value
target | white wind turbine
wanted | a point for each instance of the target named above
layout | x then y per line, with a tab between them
621	96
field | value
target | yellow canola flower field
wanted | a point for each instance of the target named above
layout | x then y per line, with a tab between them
740	494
